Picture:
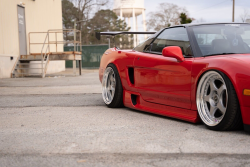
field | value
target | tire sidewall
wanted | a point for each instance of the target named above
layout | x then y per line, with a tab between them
231	103
118	88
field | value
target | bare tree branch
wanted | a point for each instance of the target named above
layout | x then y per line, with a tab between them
200	20
245	15
84	6
166	15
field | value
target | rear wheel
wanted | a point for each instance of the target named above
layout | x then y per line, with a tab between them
217	102
112	92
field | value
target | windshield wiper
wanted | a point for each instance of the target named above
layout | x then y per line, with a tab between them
221	54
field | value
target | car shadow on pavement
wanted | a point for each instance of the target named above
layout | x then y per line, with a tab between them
199	124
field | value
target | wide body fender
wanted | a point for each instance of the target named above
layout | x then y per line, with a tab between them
235	70
122	59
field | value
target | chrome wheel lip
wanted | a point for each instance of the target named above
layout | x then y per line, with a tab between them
108	85
215	98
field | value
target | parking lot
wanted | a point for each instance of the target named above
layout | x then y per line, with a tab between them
61	120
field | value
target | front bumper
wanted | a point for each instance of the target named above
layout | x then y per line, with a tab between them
245	112
247	128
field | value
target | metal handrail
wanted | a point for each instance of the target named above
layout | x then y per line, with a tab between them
46	55
42	56
47	42
56	42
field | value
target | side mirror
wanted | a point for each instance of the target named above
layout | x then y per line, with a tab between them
173	51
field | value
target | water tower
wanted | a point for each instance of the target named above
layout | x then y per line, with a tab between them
131	8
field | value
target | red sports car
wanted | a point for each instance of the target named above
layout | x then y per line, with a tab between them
191	72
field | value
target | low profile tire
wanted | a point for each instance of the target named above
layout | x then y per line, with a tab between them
112	92
217	102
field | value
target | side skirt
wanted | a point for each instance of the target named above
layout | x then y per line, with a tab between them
247	128
134	100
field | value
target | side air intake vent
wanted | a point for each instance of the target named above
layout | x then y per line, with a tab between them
131	75
133	99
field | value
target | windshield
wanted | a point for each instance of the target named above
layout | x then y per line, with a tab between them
222	39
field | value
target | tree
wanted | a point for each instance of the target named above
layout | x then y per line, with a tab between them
245	15
107	20
87	7
78	10
103	20
185	19
167	14
69	12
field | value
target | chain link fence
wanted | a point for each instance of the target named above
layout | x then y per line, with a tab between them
91	55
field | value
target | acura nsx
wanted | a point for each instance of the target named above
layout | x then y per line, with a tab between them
193	72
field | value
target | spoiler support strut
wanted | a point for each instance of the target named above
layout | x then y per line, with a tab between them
113	34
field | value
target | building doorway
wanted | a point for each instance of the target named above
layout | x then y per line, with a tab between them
22	30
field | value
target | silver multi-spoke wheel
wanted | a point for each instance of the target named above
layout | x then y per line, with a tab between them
108	85
212	98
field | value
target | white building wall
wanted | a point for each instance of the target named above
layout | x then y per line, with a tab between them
40	15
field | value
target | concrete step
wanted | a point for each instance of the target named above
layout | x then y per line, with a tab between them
21	63
31	60
26	68
28	73
31	57
24	65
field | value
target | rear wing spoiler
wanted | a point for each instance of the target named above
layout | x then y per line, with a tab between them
98	34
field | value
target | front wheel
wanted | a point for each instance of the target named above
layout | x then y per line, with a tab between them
112	92
217	102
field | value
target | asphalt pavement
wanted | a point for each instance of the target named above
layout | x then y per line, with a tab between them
61	120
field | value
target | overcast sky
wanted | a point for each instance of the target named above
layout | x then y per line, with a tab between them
209	10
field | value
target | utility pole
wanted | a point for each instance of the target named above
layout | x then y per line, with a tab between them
74	61
233	10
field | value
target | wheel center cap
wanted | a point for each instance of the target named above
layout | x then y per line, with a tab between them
216	98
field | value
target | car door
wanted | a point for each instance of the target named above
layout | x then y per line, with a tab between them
161	79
